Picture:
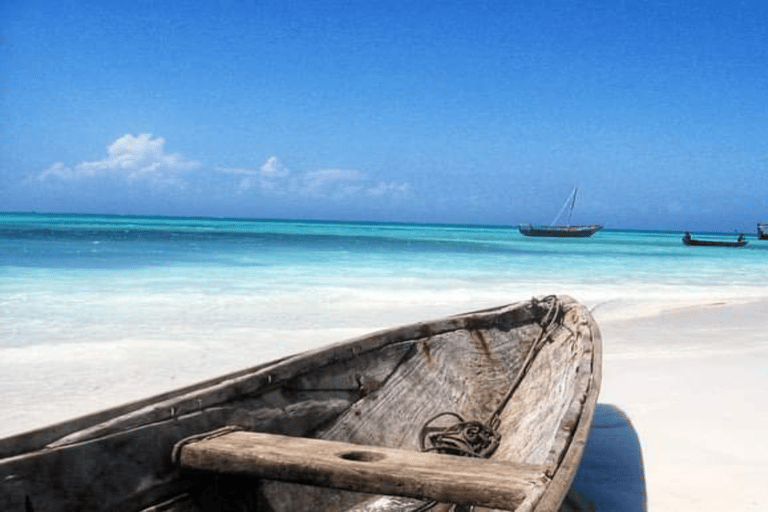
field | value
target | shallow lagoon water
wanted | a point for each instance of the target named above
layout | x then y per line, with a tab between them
98	310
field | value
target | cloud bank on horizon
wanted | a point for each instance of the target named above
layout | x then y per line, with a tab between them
142	158
139	175
275	177
134	157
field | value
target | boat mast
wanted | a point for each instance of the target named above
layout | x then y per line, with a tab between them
570	199
573	202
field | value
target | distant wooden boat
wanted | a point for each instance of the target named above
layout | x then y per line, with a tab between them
577	231
567	230
688	240
762	230
379	422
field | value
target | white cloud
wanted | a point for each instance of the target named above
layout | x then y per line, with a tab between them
245	185
272	176
143	157
134	157
57	170
276	178
333	182
383	189
272	168
339	183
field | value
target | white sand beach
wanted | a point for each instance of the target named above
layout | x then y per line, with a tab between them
691	375
694	381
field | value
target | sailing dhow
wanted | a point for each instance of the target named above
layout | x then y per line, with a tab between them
562	230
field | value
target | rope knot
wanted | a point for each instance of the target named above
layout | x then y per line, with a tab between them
465	438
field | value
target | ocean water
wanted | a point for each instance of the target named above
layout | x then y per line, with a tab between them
98	310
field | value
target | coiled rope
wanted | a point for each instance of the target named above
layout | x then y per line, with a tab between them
474	438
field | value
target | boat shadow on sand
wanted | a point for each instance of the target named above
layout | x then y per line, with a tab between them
611	475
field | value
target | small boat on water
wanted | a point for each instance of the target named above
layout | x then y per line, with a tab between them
578	231
762	230
689	240
567	230
487	409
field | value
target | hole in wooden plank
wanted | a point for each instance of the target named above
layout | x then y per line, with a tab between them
363	456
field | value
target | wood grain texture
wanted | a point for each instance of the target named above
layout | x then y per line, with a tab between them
78	477
582	414
374	390
466	370
347	466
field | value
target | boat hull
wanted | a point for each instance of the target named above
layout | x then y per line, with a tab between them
713	243
762	230
533	366
576	231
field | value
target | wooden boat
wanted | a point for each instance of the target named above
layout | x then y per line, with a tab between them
762	230
577	231
568	230
382	422
689	240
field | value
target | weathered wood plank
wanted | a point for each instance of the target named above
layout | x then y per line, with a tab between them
569	464
141	458
347	466
375	390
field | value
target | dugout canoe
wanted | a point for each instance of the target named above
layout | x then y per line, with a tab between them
688	240
489	409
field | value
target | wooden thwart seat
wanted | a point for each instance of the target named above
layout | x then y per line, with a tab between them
371	469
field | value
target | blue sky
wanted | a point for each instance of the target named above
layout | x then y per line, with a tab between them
440	111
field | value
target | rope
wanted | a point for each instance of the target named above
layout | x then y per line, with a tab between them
473	438
547	322
465	438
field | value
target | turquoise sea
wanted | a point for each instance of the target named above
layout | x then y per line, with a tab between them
96	310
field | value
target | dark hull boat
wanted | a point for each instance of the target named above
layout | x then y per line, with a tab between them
383	422
577	231
762	230
567	230
688	240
